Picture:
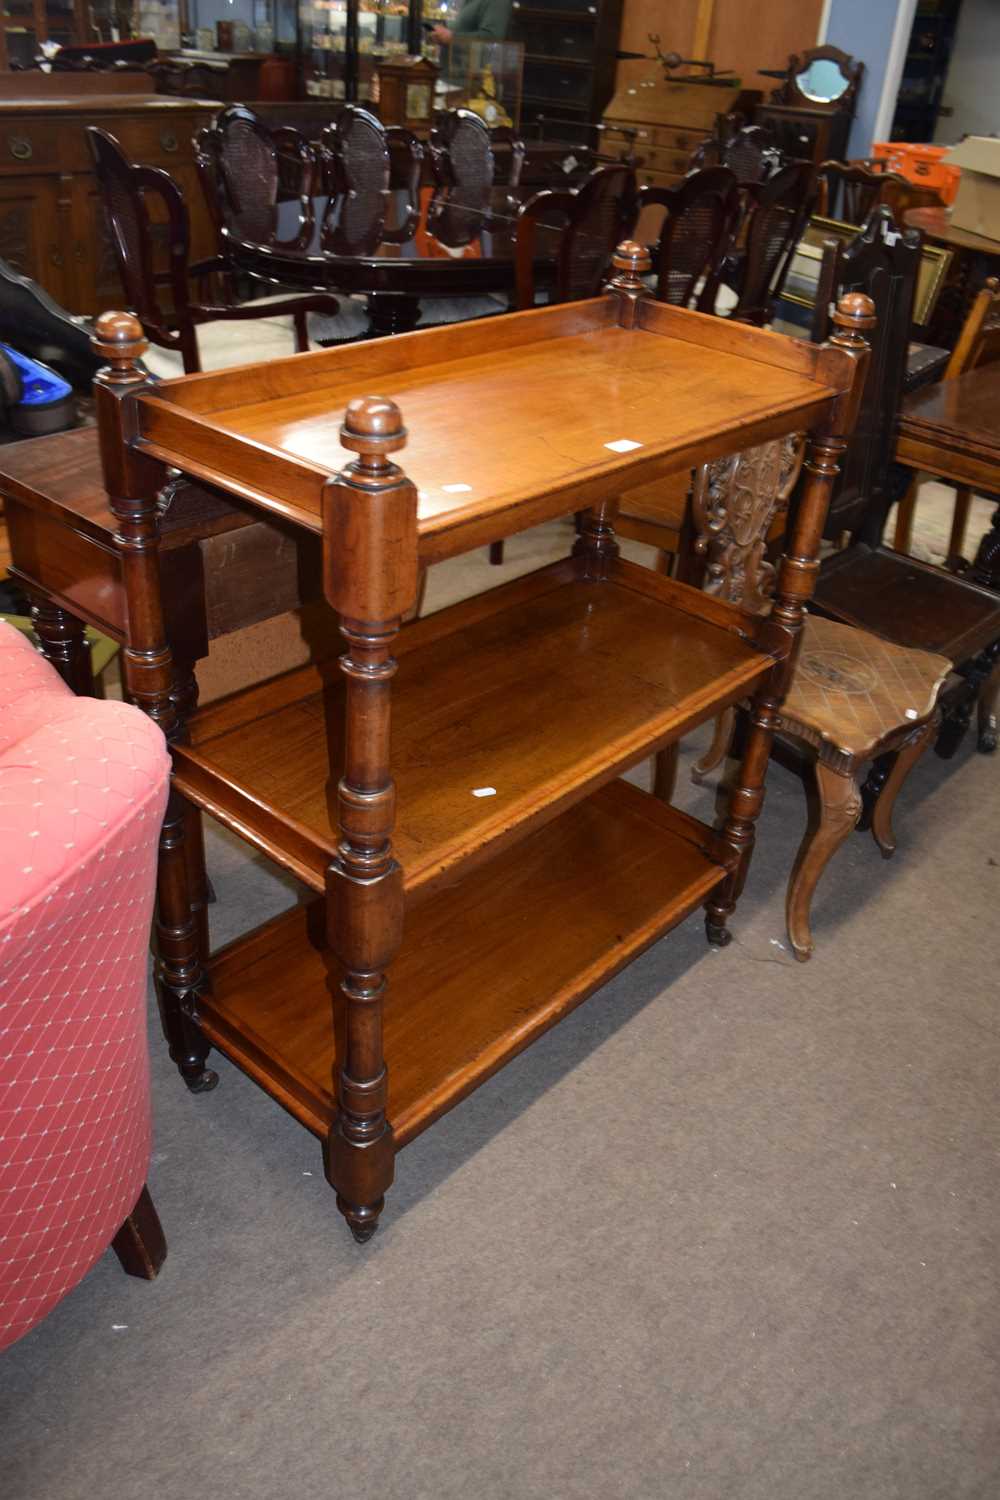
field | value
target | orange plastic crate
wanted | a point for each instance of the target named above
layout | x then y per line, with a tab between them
920	164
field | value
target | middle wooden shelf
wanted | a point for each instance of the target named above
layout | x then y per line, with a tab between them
507	709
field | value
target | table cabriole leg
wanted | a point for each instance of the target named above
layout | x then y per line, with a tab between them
131	482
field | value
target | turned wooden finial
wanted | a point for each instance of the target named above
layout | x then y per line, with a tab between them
372	428
118	338
854	316
630	262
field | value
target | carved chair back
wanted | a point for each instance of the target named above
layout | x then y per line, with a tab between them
735	504
779	210
590	221
701	220
366	164
882	261
850	190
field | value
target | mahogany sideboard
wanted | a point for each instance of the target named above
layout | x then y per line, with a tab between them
519	872
51	218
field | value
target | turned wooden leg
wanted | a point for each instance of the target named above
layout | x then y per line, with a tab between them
903	536
496	554
903	762
986	568
300	320
745	803
184	696
986	710
139	1243
370	499
665	772
179	972
959	526
63	641
839	806
722	739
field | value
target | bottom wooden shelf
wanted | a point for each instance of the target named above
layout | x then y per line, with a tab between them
487	964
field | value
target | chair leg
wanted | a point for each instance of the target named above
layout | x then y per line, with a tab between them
301	321
906	758
717	751
903	536
665	772
496	554
839	806
959	525
139	1243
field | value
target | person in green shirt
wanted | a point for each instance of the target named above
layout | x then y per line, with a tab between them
482	20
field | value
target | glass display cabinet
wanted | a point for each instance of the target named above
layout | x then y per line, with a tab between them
342	41
482	76
26	24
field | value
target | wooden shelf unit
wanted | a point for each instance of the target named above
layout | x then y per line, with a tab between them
452	931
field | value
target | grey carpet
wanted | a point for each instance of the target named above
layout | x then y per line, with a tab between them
729	1231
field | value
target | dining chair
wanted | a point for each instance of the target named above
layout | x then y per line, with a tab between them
161	298
900	599
586	223
749	151
464	159
701	216
848	191
372	175
978	344
779	210
853	696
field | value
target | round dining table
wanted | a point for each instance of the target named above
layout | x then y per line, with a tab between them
379	246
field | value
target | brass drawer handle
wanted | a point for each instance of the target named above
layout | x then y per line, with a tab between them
20	148
168	140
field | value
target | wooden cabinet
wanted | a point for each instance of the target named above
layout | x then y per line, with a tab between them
671	119
51	217
569	59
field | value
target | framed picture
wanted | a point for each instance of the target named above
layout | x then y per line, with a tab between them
803	273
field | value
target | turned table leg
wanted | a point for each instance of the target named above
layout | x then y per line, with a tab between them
63	642
131	480
839	806
370	579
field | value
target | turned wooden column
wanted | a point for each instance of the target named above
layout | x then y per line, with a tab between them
63	641
132	480
370	579
781	631
595	545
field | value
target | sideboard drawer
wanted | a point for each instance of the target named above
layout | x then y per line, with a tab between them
165	138
31	146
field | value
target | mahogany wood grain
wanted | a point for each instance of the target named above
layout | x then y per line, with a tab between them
582	896
573	683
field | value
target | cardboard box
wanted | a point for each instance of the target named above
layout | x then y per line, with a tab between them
977	202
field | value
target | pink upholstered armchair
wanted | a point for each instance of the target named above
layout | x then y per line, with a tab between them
83	786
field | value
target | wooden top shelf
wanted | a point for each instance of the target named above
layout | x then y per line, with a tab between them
510	421
531	695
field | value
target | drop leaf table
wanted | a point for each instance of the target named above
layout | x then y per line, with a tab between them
478	867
